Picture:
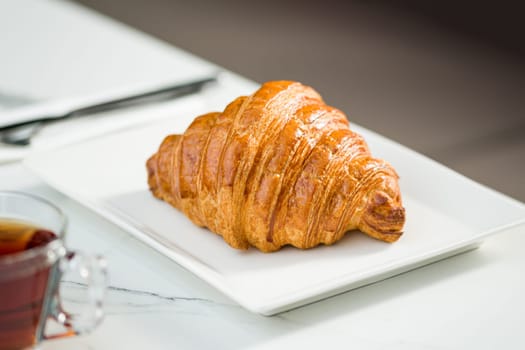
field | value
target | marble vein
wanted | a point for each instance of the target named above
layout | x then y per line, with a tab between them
121	300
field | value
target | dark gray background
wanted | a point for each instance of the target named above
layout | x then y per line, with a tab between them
444	78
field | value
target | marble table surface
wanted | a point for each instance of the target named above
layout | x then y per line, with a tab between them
472	300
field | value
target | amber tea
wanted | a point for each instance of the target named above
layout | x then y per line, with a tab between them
17	236
22	297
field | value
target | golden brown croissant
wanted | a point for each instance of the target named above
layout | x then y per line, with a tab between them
275	168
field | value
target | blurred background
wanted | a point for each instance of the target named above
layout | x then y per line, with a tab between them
446	78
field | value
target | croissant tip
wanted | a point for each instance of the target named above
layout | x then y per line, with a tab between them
383	218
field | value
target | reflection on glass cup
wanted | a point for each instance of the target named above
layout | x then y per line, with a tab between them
33	259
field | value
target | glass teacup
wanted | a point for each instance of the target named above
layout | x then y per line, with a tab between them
33	259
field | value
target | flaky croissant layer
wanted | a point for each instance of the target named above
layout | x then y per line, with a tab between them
275	168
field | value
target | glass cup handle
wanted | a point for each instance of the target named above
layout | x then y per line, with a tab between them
93	271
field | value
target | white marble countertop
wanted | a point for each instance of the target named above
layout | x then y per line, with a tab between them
473	300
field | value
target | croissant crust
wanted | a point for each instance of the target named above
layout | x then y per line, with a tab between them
277	168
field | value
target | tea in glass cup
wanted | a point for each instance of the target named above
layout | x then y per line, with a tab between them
33	259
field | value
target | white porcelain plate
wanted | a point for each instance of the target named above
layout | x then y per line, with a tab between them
446	214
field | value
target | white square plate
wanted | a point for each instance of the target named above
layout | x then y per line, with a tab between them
446	214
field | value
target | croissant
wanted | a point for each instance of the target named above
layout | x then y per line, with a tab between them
278	168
